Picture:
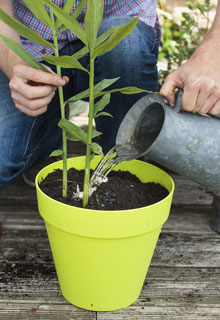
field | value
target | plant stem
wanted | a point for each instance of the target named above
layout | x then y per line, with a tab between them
62	110
89	141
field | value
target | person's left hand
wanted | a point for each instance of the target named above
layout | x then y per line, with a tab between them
200	79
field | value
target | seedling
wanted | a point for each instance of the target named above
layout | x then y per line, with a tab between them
58	20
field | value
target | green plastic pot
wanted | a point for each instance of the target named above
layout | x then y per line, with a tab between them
102	257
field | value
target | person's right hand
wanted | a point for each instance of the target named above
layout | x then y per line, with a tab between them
32	90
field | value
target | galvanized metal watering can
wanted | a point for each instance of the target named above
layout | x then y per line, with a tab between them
186	143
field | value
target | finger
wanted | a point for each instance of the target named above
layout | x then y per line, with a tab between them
189	99
215	109
30	92
32	113
172	82
208	104
38	76
32	104
202	98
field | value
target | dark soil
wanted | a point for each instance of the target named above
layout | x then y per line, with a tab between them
122	191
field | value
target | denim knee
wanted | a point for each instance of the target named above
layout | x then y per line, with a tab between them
134	60
23	139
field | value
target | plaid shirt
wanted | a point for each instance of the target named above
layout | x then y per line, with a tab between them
145	9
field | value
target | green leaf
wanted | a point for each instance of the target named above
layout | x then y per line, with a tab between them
104	114
67	8
120	33
81	53
65	62
96	133
96	148
104	36
101	104
78	134
80	96
70	138
23	30
23	54
97	88
126	90
93	20
39	11
104	84
73	130
68	5
68	21
78	9
56	153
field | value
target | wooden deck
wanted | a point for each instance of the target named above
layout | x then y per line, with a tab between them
183	281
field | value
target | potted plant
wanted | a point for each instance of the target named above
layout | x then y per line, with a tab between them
101	257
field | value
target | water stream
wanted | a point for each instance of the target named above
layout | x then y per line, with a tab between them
105	166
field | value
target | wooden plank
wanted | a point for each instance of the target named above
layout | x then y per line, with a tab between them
162	313
187	250
193	219
34	311
181	286
189	192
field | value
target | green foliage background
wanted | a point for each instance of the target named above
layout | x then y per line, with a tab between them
181	38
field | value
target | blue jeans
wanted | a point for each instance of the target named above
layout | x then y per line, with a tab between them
24	140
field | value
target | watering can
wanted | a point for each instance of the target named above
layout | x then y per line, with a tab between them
186	143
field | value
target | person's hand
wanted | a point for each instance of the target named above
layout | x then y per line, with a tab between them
32	90
200	79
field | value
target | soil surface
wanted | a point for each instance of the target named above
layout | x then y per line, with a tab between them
122	191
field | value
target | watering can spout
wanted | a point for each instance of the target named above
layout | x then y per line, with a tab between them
186	143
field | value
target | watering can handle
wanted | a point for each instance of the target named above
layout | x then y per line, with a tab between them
178	105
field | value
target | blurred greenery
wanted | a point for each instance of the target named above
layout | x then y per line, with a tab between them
181	38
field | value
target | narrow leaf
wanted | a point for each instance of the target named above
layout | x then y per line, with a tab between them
67	20
78	9
65	62
93	20
120	33
104	114
96	148
126	90
23	30
71	138
23	54
81	53
97	88
68	5
67	8
73	130
56	153
96	133
101	104
80	96
39	11
104	84
104	36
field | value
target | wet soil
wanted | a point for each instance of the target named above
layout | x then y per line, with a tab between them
122	191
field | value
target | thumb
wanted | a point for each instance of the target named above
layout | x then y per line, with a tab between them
172	82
